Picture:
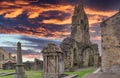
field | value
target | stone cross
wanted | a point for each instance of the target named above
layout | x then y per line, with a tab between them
19	65
53	65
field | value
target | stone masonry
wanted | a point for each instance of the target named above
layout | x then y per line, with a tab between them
20	73
110	32
53	65
111	43
78	49
5	57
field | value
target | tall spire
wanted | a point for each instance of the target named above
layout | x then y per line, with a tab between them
80	3
20	73
18	46
79	7
80	25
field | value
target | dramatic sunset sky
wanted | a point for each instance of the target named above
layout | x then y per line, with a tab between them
35	23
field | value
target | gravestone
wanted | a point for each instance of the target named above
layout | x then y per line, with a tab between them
53	65
19	65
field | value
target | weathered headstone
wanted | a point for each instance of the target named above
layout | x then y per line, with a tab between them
53	65
20	73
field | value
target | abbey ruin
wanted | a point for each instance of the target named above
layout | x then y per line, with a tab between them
78	49
111	43
110	32
5	57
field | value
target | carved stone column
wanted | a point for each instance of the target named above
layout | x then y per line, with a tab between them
53	62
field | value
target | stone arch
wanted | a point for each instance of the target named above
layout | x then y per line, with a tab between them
87	56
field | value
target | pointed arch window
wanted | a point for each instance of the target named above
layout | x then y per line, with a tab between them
3	57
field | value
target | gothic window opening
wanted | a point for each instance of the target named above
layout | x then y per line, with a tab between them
75	55
3	57
85	28
0	57
82	22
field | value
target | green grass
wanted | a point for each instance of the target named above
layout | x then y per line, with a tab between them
38	74
30	74
82	72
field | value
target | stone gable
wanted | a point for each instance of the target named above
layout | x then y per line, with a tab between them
111	43
5	57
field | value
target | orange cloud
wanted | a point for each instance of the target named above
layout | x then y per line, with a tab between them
33	56
96	38
30	57
96	18
41	32
92	31
14	13
97	12
35	11
97	15
56	21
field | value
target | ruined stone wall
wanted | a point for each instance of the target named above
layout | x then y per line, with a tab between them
4	56
79	55
80	26
111	43
68	46
77	48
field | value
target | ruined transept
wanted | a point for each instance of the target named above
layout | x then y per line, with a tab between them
78	49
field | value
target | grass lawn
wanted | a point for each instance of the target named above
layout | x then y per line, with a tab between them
82	72
30	74
38	74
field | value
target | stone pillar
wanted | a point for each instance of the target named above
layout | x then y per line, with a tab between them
96	60
19	65
53	65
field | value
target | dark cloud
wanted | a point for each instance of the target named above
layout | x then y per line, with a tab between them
38	41
60	28
30	44
24	52
24	25
10	49
29	18
47	2
55	15
103	5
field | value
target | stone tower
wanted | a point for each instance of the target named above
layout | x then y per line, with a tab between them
111	43
78	50
80	26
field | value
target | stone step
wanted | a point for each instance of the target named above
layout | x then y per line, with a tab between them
71	76
98	70
6	74
102	75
